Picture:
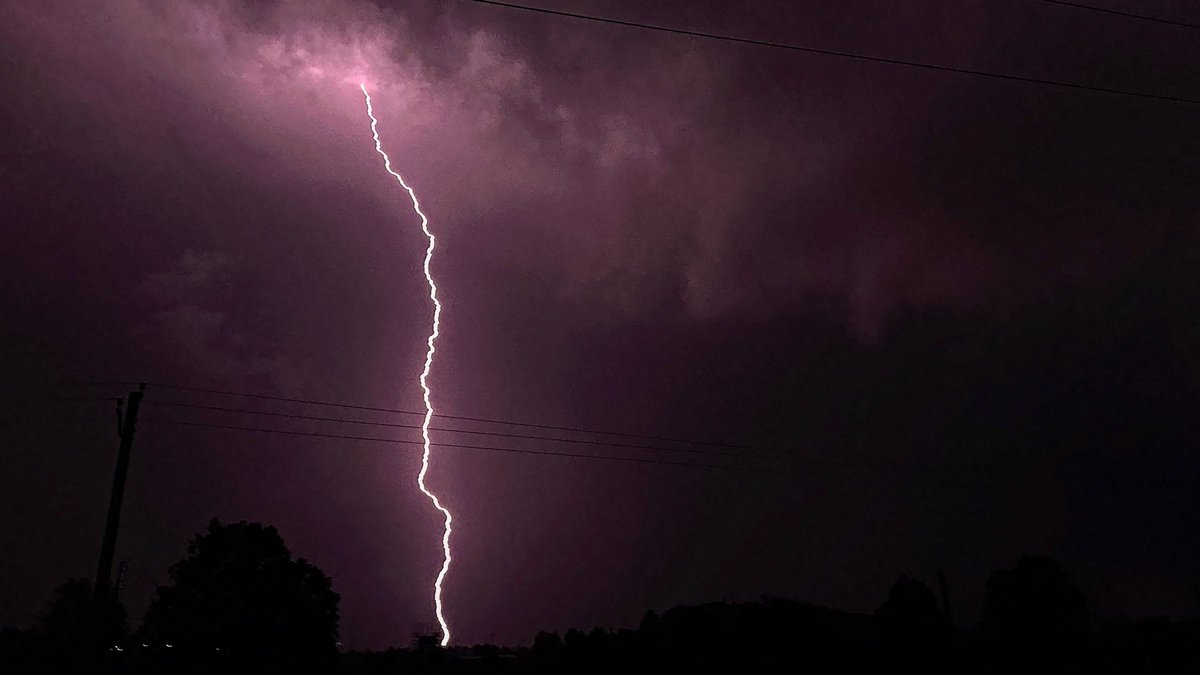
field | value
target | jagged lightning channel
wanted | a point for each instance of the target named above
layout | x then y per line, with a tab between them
437	316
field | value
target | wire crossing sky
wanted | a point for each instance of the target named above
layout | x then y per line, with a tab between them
858	56
426	393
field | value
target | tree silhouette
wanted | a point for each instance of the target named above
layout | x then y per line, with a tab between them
240	598
1032	615
75	621
911	628
73	634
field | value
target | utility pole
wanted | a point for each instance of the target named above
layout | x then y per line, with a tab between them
119	583
945	598
125	429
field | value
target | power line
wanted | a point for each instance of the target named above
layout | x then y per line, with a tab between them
576	455
396	425
842	54
1118	12
66	383
547	453
607	444
25	419
787	460
775	454
39	400
486	420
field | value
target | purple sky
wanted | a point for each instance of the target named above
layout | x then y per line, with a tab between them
894	272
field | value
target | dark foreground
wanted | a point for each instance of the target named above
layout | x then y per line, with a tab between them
909	632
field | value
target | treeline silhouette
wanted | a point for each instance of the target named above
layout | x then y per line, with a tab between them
239	603
1034	621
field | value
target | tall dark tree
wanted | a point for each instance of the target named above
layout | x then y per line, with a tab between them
76	634
75	621
1033	617
911	628
240	595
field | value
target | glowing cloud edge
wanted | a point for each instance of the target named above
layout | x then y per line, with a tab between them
437	315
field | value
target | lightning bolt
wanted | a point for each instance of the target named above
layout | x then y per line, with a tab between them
437	315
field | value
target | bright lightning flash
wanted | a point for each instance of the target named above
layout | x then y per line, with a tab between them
437	315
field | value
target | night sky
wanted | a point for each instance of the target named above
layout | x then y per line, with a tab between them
965	311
